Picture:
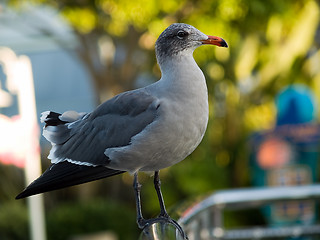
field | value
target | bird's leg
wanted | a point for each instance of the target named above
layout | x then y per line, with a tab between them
157	185
163	216
163	212
137	189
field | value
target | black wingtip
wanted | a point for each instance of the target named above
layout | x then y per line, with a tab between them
21	195
65	174
29	191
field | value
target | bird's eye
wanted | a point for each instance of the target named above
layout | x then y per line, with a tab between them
182	34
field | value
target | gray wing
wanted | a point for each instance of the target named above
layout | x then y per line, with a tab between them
113	124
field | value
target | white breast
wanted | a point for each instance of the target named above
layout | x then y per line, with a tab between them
180	126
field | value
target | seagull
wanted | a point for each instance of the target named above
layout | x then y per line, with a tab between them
146	129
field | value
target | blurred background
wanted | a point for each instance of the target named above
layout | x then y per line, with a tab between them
83	52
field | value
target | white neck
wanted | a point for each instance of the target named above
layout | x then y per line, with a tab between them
181	73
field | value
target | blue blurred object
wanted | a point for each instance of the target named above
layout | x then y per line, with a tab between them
295	105
288	155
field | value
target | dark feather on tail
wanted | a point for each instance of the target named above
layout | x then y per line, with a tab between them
52	119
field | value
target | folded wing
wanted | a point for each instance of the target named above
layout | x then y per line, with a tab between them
80	140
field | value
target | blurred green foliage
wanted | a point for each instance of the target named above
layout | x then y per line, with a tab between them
272	44
96	215
68	219
13	221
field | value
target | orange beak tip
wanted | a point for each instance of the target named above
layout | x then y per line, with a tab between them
218	41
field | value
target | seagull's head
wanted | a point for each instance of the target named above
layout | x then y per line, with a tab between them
181	37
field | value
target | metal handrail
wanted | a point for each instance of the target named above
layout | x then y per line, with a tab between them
205	219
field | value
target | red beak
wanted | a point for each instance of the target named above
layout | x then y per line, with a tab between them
215	41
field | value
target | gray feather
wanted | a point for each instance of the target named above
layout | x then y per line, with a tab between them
112	124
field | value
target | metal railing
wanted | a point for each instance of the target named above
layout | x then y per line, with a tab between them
204	220
160	231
